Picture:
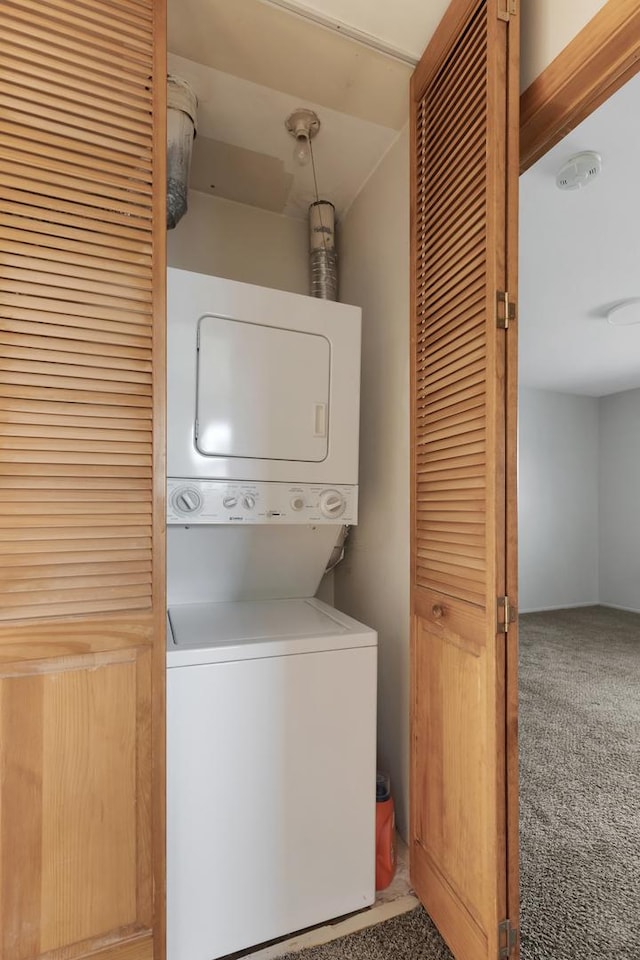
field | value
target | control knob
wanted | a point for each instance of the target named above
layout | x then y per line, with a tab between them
248	501
229	502
332	504
187	500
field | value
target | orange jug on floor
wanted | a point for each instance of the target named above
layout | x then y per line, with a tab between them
385	833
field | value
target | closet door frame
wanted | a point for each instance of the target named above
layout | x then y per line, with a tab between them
597	62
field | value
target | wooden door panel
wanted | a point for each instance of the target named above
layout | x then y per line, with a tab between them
82	519
76	326
450	829
74	823
463	252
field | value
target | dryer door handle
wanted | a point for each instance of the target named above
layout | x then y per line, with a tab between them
320	420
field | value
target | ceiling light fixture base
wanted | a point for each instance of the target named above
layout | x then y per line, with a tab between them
303	124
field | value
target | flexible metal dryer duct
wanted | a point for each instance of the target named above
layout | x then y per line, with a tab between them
181	130
322	250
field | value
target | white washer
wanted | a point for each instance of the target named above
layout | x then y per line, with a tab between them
271	772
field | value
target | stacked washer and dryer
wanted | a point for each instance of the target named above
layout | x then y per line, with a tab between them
271	694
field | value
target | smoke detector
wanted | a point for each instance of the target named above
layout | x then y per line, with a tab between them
579	170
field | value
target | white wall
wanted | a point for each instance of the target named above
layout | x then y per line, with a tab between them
373	582
547	26
620	500
240	242
558	500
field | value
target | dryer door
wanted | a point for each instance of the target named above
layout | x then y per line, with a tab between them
281	411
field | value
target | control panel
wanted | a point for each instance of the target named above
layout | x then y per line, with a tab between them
228	501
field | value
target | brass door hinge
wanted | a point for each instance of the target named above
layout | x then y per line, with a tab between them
507	940
507	9
506	614
505	310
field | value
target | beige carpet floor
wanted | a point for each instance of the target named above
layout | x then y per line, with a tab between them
580	784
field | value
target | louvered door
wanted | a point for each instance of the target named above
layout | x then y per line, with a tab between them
464	769
82	265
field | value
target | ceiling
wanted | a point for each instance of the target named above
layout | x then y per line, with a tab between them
406	25
252	62
579	255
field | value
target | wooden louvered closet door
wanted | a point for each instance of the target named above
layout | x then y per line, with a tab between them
464	836
82	275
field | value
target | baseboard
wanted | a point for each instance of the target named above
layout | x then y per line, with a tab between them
563	606
616	606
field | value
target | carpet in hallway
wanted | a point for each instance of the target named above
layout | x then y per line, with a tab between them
580	784
410	936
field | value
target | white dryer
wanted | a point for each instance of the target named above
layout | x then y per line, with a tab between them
261	384
263	394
